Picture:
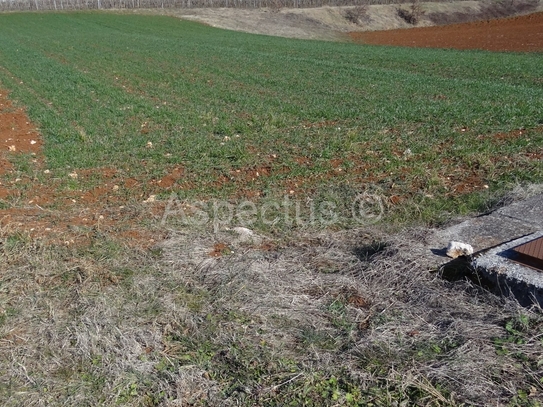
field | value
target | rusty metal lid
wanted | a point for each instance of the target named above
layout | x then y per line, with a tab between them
531	254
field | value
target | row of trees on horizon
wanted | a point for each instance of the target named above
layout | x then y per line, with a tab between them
28	5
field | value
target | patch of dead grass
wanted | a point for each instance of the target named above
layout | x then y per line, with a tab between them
354	315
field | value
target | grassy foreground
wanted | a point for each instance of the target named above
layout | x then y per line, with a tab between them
210	318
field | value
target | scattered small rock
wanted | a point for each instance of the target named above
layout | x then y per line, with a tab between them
152	198
246	235
457	249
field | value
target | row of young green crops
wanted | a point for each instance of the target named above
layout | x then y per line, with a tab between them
104	87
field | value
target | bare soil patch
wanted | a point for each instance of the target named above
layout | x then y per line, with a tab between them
17	135
37	205
523	33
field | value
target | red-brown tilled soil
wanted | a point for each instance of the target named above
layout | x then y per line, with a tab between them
524	33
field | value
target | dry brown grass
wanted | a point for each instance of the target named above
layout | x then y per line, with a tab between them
488	10
357	14
323	319
412	14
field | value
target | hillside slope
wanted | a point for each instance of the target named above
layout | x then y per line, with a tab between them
331	23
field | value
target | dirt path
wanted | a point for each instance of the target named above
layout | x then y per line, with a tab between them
524	33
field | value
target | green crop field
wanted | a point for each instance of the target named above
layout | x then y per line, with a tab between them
420	125
102	304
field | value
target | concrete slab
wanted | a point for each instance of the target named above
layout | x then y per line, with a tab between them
507	277
486	231
529	211
492	237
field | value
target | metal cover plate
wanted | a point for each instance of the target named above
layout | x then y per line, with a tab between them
530	254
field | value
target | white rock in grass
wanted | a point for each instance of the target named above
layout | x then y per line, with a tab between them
152	198
245	235
457	249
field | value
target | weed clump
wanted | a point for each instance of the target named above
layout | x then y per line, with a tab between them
413	14
357	14
276	6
